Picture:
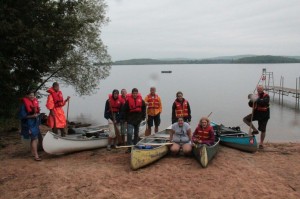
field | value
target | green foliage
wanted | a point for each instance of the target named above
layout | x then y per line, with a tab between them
39	38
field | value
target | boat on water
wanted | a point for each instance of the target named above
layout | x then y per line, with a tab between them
149	150
205	153
166	71
85	138
235	138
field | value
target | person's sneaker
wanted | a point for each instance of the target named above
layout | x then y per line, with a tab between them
108	148
255	132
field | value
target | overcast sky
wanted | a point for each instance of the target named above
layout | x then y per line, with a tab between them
201	28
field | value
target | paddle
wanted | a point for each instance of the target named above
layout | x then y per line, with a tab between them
146	144
114	123
68	111
147	132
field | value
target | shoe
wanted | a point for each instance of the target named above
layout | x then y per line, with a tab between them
108	148
261	146
37	159
255	132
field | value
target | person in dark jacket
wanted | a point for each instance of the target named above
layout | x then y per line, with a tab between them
181	109
260	113
134	114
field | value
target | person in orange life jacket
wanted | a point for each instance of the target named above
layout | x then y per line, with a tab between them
261	113
181	108
30	121
122	123
154	108
134	114
181	136
204	133
112	112
55	102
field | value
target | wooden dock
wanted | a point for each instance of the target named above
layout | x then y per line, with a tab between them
285	91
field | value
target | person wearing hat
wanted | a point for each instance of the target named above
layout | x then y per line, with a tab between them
112	113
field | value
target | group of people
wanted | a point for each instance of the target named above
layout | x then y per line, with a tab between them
126	111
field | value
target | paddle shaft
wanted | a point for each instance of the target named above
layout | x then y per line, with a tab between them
145	144
68	111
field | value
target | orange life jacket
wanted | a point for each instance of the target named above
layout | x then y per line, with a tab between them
153	102
31	106
57	97
203	134
135	105
115	104
181	109
260	107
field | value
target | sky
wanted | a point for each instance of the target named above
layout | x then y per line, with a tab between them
199	29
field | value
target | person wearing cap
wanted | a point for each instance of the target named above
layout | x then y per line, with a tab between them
260	112
154	109
112	113
204	133
181	136
181	109
134	114
55	103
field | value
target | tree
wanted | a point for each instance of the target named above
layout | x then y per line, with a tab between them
42	38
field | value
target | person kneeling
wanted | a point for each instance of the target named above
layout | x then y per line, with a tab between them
181	137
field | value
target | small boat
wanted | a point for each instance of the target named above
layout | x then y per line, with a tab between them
147	151
205	153
85	138
235	138
166	71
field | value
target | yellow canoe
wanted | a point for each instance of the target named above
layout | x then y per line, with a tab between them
147	151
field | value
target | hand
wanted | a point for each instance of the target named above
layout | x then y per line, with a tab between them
68	98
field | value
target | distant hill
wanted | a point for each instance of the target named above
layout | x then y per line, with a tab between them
239	59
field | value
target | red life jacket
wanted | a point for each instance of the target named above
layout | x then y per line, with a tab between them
153	102
31	106
260	107
57	97
181	109
203	134
115	103
135	105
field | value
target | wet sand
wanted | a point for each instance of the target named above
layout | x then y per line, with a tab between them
270	173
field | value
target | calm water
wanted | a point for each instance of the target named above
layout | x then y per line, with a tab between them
221	89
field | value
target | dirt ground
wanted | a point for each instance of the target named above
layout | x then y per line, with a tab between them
270	173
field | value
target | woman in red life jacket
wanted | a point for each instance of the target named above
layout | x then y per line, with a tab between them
181	109
30	122
55	103
261	113
112	113
204	133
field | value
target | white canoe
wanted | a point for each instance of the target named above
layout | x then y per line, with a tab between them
57	145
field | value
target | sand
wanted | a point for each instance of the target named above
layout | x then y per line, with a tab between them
271	173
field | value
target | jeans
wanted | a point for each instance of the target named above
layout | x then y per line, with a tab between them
132	129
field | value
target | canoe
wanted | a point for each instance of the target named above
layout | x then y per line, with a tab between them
235	138
144	153
85	138
204	153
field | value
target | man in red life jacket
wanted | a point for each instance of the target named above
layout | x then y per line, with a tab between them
112	113
154	108
122	123
181	109
261	113
204	133
134	114
55	102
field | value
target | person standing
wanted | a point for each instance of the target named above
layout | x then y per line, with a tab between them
181	136
112	113
154	109
30	122
204	133
260	112
55	102
181	109
134	114
122	123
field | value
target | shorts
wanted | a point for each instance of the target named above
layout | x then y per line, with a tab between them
262	124
155	119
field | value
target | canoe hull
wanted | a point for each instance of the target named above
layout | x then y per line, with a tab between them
204	153
244	143
143	157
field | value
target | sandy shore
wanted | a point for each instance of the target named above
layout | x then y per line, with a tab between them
271	173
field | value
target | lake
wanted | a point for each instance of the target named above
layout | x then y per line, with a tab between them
218	88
